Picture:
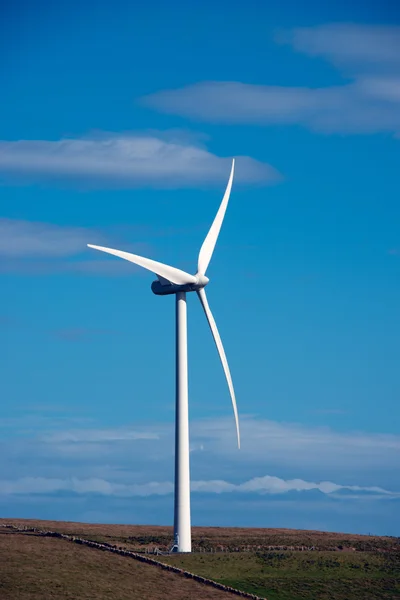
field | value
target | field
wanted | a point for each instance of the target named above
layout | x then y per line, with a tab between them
38	568
301	575
275	563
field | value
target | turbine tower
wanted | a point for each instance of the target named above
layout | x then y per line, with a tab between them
174	281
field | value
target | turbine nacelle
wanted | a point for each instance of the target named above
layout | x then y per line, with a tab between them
163	287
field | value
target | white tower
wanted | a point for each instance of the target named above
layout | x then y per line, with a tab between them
174	281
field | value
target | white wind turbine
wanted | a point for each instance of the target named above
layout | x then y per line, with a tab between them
174	281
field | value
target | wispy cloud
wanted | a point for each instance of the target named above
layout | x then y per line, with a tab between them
35	239
99	435
50	267
347	44
264	443
296	444
259	485
41	485
125	160
29	247
369	103
275	485
308	477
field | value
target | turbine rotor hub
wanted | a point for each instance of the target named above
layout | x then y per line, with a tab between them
201	280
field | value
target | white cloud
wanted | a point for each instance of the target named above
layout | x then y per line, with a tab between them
35	239
275	485
369	103
33	247
382	88
352	108
258	485
41	485
99	435
296	444
346	43
311	471
49	266
265	445
125	160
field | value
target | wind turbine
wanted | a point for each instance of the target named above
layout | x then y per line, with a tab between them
174	281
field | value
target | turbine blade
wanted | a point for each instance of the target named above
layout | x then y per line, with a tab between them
207	249
218	342
165	271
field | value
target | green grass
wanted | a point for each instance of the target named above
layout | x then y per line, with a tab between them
345	566
301	575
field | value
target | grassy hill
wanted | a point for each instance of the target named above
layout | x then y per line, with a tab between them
301	575
266	562
39	568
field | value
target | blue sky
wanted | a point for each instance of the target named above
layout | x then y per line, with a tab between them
118	127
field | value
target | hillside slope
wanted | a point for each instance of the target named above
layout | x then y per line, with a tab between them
279	564
34	567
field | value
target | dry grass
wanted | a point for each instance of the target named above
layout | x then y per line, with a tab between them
361	568
148	536
34	567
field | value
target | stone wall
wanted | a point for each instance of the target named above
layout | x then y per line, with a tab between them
136	556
